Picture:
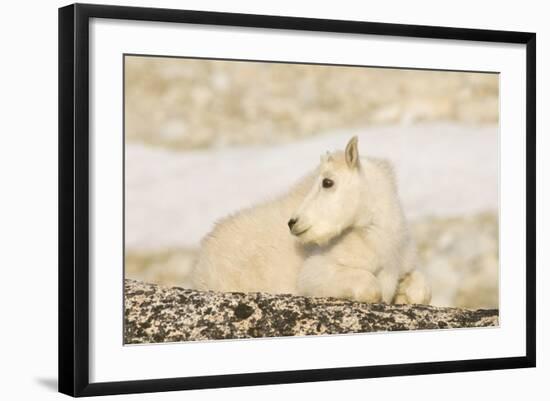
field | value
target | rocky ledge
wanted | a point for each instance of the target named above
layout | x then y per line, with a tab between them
155	314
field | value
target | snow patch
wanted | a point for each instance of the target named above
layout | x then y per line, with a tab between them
173	198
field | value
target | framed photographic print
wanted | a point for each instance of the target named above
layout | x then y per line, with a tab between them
275	199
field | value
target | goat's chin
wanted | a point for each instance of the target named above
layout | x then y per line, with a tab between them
316	238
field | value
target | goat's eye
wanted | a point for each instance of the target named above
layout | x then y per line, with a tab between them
327	183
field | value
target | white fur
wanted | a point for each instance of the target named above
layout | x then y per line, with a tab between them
349	240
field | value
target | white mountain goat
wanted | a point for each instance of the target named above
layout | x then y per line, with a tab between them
348	238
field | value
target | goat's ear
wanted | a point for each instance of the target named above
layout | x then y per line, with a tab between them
352	153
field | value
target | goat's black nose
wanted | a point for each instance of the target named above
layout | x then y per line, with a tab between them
291	223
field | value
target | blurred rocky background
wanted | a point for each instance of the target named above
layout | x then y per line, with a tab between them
205	138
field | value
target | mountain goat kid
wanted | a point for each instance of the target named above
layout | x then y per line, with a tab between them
339	232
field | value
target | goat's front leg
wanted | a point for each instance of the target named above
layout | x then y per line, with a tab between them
321	277
388	280
413	289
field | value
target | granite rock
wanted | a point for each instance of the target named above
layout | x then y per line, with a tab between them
156	314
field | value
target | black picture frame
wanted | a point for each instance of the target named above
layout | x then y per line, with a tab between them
74	191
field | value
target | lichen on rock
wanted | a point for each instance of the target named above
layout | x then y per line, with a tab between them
156	314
